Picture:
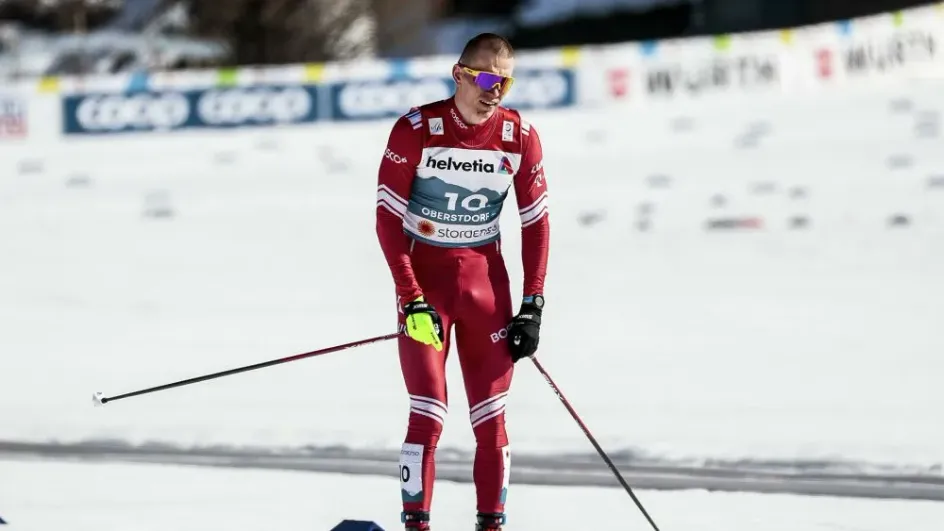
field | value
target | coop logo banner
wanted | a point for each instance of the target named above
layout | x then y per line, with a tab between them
542	89
386	98
372	99
194	109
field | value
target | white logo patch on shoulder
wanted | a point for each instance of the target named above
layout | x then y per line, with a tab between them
436	126
508	131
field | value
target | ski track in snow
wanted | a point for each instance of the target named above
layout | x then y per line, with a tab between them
45	496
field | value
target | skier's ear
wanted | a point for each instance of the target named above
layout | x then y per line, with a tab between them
456	74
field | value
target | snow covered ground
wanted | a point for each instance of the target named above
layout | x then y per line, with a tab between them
52	496
811	344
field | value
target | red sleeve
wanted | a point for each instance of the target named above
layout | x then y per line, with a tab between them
394	181
531	192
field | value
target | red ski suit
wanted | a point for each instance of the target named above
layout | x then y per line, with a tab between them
441	187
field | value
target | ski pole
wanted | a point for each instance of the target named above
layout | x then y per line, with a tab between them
98	399
593	441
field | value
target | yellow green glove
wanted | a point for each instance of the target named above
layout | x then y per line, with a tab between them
423	323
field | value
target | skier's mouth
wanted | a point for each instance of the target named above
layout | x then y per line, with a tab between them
489	103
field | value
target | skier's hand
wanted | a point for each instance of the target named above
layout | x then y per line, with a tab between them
423	323
524	331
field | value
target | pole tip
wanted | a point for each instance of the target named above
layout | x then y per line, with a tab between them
98	399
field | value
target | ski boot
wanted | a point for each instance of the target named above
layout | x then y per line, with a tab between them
489	521
415	520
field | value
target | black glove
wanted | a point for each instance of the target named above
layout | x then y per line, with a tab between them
524	331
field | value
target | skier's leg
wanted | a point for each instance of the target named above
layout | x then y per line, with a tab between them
487	380
424	374
487	371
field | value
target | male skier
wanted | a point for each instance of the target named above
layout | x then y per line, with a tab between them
445	174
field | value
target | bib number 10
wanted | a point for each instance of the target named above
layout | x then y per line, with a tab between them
472	203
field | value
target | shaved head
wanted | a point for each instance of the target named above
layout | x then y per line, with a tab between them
492	44
486	54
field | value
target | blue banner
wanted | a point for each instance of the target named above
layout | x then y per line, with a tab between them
373	99
550	88
215	108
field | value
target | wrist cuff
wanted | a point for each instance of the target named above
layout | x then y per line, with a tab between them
536	300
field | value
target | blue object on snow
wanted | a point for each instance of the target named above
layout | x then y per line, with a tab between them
357	525
2	521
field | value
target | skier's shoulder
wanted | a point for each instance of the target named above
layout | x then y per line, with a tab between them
410	120
414	118
518	118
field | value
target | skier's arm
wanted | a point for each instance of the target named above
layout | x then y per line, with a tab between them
394	180
531	193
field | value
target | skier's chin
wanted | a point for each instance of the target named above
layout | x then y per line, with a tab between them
485	107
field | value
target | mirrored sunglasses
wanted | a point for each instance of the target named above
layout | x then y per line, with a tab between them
489	80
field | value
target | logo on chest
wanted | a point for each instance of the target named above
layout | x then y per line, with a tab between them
469	169
502	167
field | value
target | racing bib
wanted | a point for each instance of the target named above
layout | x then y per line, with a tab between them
458	195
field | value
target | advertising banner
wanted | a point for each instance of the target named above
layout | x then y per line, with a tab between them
711	74
707	67
14	120
889	52
896	47
386	98
213	108
878	53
